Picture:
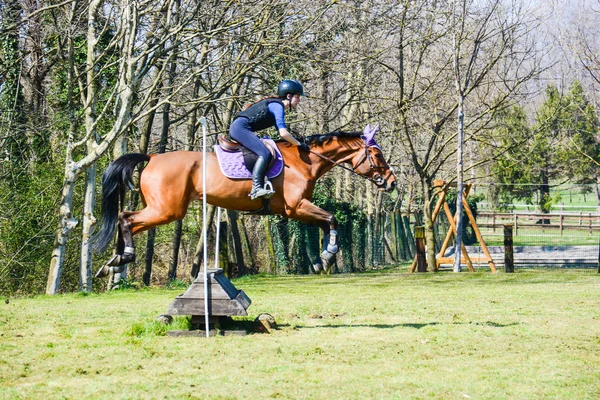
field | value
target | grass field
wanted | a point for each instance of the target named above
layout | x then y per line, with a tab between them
374	335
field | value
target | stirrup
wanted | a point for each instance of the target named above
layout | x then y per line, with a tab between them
266	191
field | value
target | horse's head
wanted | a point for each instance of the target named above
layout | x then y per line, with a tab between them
371	162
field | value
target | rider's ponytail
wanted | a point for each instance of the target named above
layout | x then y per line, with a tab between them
248	105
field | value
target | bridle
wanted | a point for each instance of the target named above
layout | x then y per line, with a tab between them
367	157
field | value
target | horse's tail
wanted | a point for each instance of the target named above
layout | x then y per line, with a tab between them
114	181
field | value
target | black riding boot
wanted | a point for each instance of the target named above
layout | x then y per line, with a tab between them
259	188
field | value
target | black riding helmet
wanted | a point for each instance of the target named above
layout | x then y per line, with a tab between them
290	86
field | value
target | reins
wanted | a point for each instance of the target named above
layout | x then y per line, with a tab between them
338	164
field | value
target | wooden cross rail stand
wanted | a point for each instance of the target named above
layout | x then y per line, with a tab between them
442	191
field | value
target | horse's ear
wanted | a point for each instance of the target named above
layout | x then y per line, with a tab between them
374	130
369	133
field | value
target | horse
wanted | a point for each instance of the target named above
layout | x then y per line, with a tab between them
170	181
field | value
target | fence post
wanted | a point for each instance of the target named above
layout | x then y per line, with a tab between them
420	246
562	217
509	257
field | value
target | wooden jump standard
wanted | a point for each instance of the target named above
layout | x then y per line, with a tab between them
442	190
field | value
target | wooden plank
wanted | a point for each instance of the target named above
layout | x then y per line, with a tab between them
223	298
478	233
450	260
451	221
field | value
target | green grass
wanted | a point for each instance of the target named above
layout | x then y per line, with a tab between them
376	335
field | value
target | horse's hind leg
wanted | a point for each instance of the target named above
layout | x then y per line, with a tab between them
134	222
125	249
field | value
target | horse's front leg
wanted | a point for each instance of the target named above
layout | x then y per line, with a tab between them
308	212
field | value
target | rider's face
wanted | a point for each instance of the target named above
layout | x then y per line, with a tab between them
294	101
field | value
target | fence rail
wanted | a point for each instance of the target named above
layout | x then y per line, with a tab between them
588	222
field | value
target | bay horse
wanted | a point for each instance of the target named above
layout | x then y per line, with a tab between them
170	181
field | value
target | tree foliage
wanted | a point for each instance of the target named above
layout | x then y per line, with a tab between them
561	146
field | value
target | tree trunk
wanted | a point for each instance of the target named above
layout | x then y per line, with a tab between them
270	246
459	185
597	191
223	263
149	255
176	244
247	249
428	224
85	276
237	242
65	226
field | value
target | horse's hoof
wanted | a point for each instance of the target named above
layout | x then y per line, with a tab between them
113	262
325	270
103	272
327	257
317	268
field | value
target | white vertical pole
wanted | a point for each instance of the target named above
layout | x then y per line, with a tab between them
219	209
204	228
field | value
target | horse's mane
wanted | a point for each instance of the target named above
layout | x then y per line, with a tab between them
323	138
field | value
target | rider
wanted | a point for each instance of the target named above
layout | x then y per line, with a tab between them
264	114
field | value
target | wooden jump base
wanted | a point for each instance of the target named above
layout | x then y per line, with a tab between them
224	300
442	190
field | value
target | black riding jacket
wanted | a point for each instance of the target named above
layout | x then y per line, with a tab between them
259	115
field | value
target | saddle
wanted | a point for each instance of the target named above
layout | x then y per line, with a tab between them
237	162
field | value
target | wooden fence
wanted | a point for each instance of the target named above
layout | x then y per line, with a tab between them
562	221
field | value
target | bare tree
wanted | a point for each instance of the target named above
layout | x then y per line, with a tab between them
135	59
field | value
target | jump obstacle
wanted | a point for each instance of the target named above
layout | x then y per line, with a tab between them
222	299
212	296
442	191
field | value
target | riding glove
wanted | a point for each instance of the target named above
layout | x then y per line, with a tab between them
303	146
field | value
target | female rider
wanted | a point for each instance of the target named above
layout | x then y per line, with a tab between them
261	115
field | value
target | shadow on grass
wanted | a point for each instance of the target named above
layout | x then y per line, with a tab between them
392	326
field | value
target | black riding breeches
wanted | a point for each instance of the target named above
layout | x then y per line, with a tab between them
240	132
